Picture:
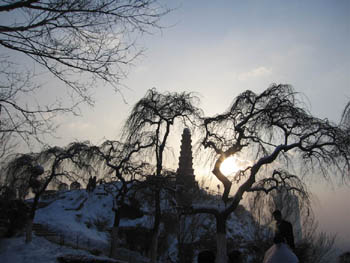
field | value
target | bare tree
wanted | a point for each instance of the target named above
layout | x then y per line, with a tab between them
77	37
79	42
153	116
6	147
24	172
18	119
311	245
122	162
277	132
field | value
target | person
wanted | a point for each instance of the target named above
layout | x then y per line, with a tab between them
284	228
280	252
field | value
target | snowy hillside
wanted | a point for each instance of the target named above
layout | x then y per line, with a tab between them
82	220
14	250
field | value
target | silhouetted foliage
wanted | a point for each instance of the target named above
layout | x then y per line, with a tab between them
120	168
152	117
14	214
276	130
24	173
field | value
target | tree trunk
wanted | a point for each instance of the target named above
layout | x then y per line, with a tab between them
155	232
221	241
154	247
114	242
29	229
114	235
221	252
29	226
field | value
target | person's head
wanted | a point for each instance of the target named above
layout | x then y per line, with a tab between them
206	256
277	215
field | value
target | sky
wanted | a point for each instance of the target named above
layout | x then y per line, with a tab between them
219	49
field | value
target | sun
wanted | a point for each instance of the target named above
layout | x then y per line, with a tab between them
229	166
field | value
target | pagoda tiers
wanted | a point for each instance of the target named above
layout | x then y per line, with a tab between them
184	174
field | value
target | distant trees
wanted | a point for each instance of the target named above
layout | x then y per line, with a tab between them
79	43
153	117
277	132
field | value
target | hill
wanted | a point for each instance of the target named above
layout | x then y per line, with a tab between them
78	222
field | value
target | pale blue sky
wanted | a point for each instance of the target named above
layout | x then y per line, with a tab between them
221	48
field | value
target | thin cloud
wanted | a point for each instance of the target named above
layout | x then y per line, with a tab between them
255	73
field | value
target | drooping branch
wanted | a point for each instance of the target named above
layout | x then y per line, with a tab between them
345	117
279	180
274	126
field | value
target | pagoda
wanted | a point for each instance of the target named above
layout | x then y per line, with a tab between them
184	174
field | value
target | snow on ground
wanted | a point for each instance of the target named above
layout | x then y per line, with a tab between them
73	216
15	250
75	213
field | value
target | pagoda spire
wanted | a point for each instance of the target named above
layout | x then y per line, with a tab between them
185	173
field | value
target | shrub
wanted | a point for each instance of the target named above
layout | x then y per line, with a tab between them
88	224
96	252
78	217
345	257
15	214
101	224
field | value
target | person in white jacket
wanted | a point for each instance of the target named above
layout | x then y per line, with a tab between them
280	252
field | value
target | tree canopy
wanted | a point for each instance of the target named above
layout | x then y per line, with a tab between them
279	134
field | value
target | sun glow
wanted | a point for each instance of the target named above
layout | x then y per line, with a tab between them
229	166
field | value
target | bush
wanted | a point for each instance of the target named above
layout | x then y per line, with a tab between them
170	222
345	257
96	252
101	224
78	217
88	224
15	214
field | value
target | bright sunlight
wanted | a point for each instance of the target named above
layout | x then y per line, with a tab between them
229	166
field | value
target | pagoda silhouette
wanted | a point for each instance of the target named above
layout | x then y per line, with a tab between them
185	173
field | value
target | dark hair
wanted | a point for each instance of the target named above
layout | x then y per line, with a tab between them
278	239
277	213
